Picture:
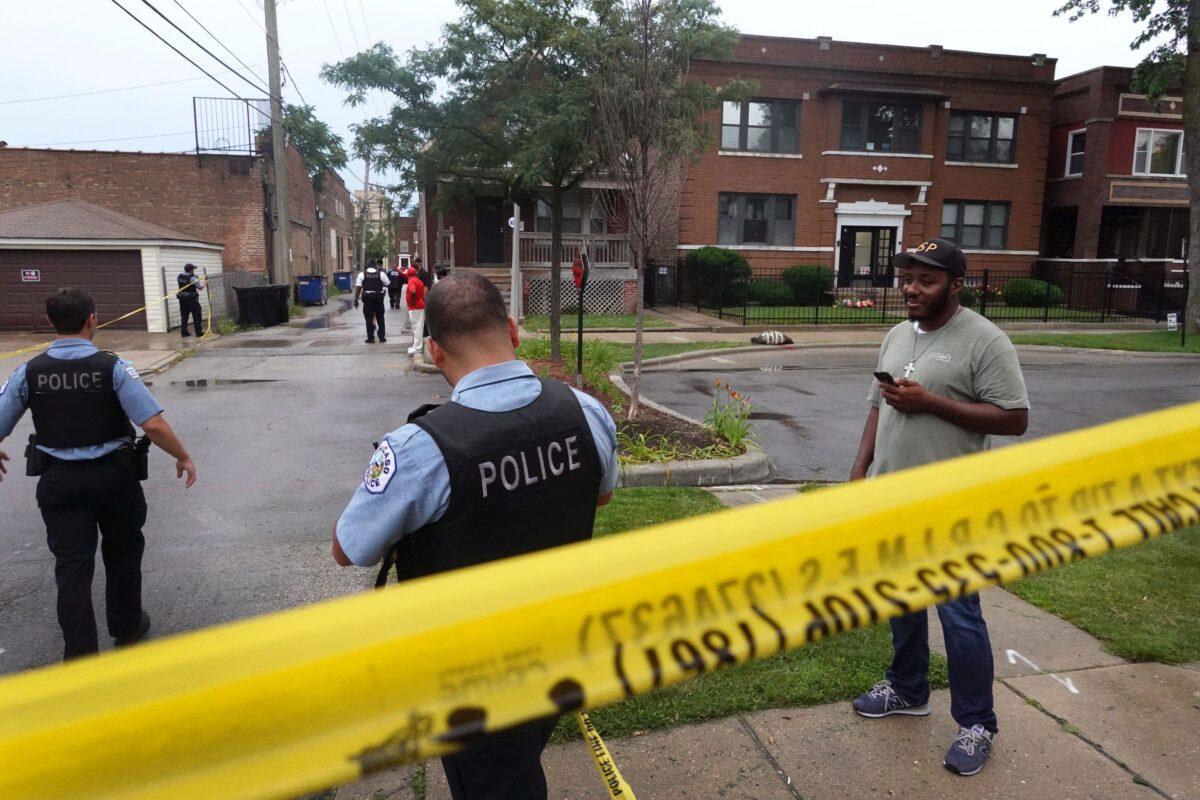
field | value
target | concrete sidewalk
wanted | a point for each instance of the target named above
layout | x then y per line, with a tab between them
1077	723
148	352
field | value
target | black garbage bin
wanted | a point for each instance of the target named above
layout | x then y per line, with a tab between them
263	305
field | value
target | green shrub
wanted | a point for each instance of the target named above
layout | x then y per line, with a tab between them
770	293
722	276
969	296
808	282
1032	293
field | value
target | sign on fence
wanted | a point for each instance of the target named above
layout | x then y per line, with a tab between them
1173	321
31	276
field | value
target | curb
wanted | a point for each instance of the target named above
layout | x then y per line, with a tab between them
343	304
1102	350
752	466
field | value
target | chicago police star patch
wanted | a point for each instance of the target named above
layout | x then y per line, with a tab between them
381	469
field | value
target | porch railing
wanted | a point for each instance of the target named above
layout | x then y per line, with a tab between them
444	253
604	250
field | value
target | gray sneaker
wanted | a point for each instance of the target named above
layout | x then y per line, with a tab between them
882	701
970	750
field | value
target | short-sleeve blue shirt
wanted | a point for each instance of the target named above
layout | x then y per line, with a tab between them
378	518
136	400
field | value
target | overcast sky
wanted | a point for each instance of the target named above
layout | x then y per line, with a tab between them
69	47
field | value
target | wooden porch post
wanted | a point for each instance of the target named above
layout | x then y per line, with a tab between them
515	289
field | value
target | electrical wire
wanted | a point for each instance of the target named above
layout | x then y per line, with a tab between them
253	18
210	53
350	22
132	138
333	29
158	36
218	41
100	91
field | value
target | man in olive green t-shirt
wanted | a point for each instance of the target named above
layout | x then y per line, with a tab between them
955	383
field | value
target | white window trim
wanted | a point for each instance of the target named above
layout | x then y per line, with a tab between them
1150	146
987	164
874	154
755	154
1070	137
774	247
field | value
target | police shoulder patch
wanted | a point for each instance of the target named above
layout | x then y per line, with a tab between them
132	372
381	469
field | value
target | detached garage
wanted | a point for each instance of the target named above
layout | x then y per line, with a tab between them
124	262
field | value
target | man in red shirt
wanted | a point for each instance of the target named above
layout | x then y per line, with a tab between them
414	298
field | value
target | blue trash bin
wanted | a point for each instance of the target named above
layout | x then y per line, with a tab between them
342	280
312	290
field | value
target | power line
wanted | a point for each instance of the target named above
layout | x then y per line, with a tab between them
210	53
333	29
99	91
133	138
366	28
295	85
158	36
253	18
217	40
350	22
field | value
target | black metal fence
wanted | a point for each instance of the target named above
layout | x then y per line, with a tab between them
1059	292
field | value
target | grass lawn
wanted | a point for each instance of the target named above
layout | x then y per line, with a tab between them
541	322
835	669
1147	342
1142	602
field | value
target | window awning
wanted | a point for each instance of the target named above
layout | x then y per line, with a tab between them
913	92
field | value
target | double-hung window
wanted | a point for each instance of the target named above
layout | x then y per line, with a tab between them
1076	141
981	137
1158	152
975	224
881	127
762	219
761	126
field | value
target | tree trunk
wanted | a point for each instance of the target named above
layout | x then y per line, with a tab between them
1191	127
556	212
635	384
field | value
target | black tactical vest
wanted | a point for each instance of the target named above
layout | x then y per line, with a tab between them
520	481
73	402
372	284
185	280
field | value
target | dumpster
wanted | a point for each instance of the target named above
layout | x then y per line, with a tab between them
312	290
262	305
342	280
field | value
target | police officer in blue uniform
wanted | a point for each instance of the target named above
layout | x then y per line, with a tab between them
82	400
370	286
512	464
189	300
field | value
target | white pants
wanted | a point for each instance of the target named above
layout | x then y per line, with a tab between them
417	318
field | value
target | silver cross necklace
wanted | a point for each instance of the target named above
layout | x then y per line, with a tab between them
911	366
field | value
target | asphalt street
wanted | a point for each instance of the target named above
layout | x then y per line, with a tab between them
810	404
281	424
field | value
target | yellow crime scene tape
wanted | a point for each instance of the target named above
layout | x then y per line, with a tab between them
207	327
606	765
304	699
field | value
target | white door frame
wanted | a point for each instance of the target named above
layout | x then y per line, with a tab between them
867	214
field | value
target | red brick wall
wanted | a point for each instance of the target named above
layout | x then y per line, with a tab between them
338	205
790	69
218	198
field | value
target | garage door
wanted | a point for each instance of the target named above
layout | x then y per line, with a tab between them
114	278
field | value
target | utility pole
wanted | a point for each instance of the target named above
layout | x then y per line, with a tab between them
281	262
366	201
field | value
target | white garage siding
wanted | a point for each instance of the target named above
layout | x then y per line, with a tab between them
169	261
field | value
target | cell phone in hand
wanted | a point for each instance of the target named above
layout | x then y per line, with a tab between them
885	377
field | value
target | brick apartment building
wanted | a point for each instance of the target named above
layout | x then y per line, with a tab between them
1115	184
222	200
850	152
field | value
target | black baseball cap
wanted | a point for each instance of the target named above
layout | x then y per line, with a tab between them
937	253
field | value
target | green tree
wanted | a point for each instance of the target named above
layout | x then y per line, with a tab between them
650	123
1173	27
500	106
322	149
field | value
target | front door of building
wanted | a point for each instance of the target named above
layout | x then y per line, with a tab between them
490	221
866	254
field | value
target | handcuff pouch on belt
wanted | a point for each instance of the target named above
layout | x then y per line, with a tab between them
36	462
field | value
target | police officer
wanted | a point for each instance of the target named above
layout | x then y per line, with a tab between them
395	287
82	400
370	286
463	495
189	299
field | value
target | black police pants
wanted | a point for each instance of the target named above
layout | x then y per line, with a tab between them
393	297
373	313
190	307
504	766
76	499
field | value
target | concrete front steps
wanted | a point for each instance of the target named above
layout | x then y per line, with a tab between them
501	276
